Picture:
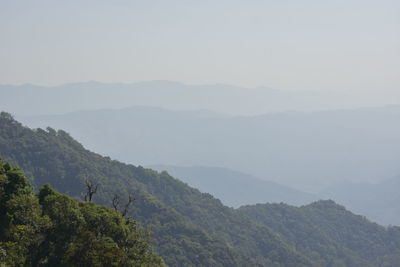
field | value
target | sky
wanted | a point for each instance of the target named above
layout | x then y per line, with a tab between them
350	45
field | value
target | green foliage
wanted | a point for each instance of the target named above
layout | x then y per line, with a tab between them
254	241
51	229
329	234
55	158
189	228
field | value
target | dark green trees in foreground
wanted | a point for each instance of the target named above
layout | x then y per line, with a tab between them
51	229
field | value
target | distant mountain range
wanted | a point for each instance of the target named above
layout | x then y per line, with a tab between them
30	99
376	201
305	150
190	228
235	188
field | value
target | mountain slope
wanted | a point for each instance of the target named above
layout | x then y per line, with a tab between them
194	229
307	151
378	201
51	229
190	228
329	234
235	188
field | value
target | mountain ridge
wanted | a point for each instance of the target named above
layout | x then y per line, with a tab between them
227	185
162	201
192	228
320	147
230	99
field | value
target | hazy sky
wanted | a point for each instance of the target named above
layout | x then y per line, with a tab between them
321	45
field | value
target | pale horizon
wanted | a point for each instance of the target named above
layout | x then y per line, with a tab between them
346	46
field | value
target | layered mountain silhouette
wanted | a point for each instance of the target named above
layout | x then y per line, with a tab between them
378	201
40	100
305	150
191	228
235	188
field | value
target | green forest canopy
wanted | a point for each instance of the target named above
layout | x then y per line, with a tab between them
191	228
52	229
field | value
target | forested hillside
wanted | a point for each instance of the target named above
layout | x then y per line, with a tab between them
168	207
191	228
329	234
377	200
51	229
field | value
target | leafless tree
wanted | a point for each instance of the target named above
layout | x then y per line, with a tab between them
126	207
116	201
91	189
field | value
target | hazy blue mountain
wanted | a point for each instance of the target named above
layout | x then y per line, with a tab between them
378	201
177	214
39	100
190	228
235	188
304	150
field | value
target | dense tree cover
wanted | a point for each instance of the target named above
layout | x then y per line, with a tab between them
52	229
191	228
253	240
330	234
55	158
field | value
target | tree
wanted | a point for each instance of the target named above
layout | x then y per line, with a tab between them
116	203
52	229
91	189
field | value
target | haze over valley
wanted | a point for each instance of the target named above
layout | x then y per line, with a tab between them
320	147
200	133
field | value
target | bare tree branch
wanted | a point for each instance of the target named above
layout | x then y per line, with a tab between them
116	201
131	199
91	189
